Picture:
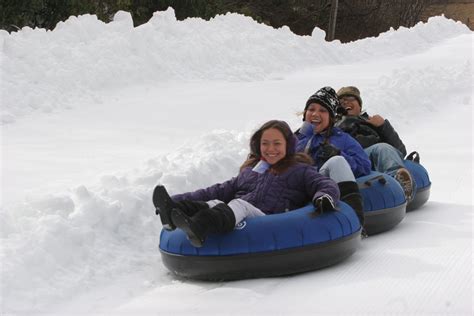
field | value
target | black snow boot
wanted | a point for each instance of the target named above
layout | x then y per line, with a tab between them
218	220
350	194
164	205
191	207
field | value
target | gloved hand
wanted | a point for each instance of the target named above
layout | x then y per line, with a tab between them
349	124
324	204
354	130
325	152
341	111
366	141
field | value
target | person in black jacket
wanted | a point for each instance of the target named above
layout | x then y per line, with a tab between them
377	136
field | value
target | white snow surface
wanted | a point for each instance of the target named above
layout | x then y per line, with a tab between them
94	115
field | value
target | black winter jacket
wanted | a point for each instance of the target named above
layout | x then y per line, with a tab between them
367	134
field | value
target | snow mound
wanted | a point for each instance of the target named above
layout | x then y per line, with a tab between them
44	70
418	91
59	243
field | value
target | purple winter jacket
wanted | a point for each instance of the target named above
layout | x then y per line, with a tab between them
294	188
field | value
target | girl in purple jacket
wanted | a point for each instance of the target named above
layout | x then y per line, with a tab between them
274	179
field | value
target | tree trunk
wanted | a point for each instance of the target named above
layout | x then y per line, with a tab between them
332	21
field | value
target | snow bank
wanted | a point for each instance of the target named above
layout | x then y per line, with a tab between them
54	246
410	94
44	70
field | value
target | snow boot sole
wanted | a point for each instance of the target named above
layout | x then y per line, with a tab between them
164	205
185	223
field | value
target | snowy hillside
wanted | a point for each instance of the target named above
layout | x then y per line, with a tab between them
94	115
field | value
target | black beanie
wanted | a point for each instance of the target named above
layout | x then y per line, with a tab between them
327	97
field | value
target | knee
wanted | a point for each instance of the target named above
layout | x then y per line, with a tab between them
338	162
382	147
339	169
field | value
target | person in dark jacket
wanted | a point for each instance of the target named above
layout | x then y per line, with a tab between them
377	136
273	179
336	154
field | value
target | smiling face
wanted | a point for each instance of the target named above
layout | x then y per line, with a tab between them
351	104
273	145
317	115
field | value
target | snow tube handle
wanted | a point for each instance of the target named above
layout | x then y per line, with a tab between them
414	156
367	184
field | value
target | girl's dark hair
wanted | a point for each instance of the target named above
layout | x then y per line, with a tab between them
290	158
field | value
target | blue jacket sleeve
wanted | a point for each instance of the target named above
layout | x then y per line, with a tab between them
355	156
224	192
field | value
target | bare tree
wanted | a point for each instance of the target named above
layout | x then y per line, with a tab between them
332	20
410	12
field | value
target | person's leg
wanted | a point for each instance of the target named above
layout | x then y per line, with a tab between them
216	219
243	209
338	169
405	179
164	205
192	207
385	158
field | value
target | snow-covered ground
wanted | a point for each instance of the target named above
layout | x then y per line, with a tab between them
94	115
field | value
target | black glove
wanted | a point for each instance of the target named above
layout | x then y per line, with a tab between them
354	130
341	111
325	152
349	124
366	141
324	204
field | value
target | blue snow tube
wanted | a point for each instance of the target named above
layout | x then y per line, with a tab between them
384	202
272	245
422	184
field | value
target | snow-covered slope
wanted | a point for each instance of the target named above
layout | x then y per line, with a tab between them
94	115
82	57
